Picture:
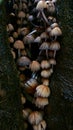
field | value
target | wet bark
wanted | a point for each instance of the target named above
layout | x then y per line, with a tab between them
10	104
59	113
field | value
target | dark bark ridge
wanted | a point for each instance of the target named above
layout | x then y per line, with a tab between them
10	104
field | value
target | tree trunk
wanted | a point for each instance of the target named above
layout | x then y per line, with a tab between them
59	113
10	104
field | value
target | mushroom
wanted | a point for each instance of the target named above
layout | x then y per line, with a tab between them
41	5
45	64
52	62
34	66
11	39
46	73
41	126
15	35
10	28
23	61
45	81
21	16
44	46
41	102
28	40
44	36
15	7
31	85
55	32
55	46
42	91
37	40
26	113
35	117
50	6
24	31
19	45
23	99
13	54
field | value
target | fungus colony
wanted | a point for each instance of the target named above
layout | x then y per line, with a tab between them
34	35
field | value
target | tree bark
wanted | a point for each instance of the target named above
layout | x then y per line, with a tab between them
59	113
10	103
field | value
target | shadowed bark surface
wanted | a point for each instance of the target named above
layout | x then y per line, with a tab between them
10	105
59	113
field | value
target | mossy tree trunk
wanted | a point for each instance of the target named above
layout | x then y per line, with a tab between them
10	104
59	113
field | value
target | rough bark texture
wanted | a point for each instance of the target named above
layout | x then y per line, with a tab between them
10	105
59	113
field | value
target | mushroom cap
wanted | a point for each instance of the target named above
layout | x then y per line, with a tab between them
15	6
41	102
44	36
23	52
26	112
10	27
45	46
45	64
21	14
42	125
13	54
23	99
28	39
50	6
56	32
23	61
35	66
15	34
37	39
45	81
52	19
52	61
35	117
54	25
24	31
11	39
18	44
41	5
46	73
55	46
42	91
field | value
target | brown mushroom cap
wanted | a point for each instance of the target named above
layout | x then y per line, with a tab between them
28	39
21	14
34	66
55	46
23	61
41	102
52	61
45	64
10	27
46	73
44	35
42	91
45	46
54	25
18	44
35	117
56	32
15	34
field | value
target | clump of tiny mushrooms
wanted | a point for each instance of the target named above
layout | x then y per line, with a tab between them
33	38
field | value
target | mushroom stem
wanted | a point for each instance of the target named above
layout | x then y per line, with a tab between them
47	53
19	53
32	32
40	52
44	17
54	53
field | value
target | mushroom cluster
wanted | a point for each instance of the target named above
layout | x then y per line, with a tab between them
34	36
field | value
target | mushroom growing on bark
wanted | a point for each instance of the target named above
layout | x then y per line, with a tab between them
19	45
